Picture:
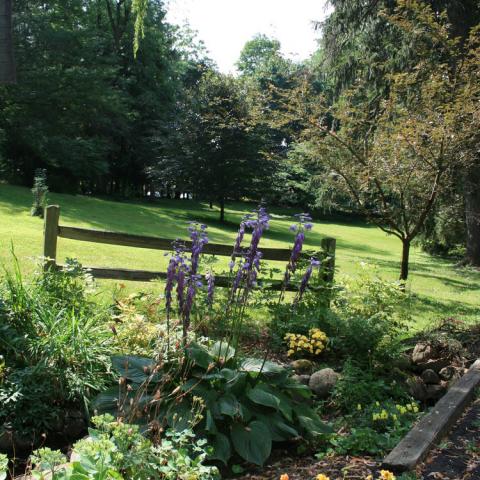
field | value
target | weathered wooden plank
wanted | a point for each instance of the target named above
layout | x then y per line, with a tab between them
52	213
433	426
139	241
147	276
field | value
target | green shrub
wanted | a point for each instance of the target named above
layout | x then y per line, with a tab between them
367	320
115	450
56	347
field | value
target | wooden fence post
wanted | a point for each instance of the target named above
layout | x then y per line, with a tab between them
329	247
50	234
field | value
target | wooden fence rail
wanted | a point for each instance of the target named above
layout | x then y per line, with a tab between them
53	230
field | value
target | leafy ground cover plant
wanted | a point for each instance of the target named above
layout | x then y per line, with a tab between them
375	428
115	451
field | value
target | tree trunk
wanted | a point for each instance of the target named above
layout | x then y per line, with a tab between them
211	203
222	209
7	62
472	216
405	260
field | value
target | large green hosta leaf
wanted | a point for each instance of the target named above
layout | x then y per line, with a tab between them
199	355
134	368
253	443
221	448
262	395
222	351
279	429
256	366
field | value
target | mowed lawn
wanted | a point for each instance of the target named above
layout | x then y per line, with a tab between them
440	290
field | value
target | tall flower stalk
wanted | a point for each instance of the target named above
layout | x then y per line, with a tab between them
302	225
183	272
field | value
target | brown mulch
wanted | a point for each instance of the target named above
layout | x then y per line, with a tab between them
458	456
307	468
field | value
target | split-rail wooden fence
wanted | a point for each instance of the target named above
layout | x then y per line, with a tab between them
53	230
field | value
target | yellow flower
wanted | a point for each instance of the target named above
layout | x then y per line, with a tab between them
386	475
359	406
321	476
369	477
415	409
290	353
284	477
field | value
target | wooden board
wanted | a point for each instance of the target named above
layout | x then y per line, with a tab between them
146	276
139	241
433	426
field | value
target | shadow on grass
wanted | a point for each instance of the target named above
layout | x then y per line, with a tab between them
444	308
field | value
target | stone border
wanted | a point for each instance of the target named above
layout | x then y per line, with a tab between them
433	426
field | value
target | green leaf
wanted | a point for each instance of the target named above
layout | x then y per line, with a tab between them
252	443
210	426
262	396
199	355
256	365
311	422
180	416
133	368
108	401
221	448
285	406
279	430
222	351
228	405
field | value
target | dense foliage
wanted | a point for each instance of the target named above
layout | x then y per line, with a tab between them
116	450
55	348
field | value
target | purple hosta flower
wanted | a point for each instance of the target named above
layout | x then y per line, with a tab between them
181	286
258	225
238	243
301	227
314	263
199	237
238	278
253	272
210	287
192	285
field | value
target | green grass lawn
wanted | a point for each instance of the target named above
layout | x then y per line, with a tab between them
440	290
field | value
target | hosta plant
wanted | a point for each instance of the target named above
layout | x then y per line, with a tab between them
241	406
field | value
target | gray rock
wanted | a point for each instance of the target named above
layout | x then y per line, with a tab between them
422	353
417	389
436	364
303	379
302	365
447	372
323	381
423	392
430	376
435	392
